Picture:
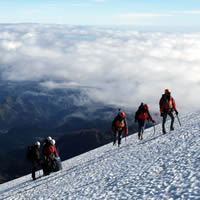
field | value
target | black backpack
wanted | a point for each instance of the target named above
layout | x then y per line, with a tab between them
30	153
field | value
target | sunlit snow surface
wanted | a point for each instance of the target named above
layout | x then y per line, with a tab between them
159	167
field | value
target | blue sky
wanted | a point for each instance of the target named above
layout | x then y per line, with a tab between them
102	12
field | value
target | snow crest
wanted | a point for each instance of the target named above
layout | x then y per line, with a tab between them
160	167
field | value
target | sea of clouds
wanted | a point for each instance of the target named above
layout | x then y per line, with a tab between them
115	66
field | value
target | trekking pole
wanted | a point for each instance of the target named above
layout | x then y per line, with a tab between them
178	119
125	137
154	129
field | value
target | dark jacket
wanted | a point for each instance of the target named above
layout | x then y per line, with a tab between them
33	153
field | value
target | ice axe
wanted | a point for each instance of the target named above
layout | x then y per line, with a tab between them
126	136
154	129
178	119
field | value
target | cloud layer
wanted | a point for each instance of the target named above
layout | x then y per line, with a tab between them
122	67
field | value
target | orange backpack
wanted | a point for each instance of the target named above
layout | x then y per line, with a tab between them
120	124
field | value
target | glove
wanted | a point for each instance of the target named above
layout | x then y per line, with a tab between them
176	112
161	114
153	121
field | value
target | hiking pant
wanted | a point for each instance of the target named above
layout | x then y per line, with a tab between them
35	167
57	164
47	166
165	118
117	136
141	127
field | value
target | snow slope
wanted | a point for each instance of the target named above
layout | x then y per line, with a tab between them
159	167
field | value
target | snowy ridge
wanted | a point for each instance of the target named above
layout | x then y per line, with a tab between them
159	167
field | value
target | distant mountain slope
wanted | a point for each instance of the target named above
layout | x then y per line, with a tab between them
28	103
159	167
30	112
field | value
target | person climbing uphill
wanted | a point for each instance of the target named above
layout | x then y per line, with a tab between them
119	126
167	107
141	116
33	155
49	153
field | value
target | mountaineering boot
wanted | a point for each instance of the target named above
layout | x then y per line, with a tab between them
171	128
138	136
164	131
